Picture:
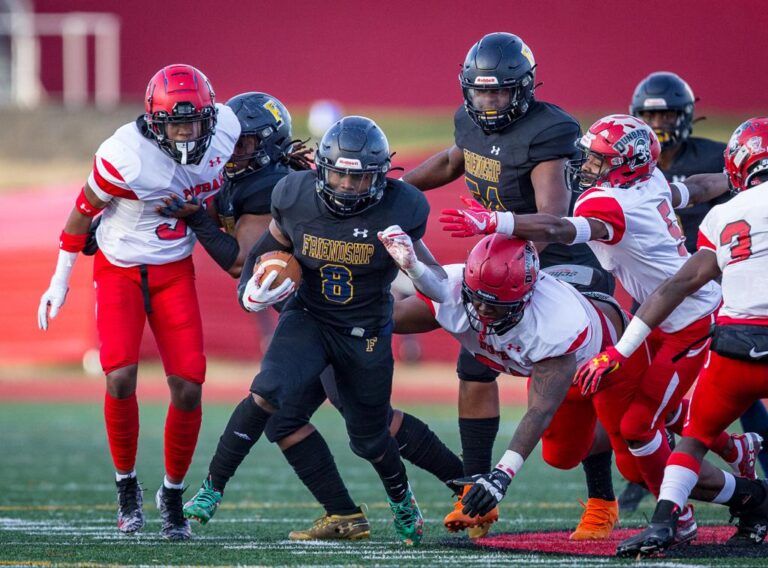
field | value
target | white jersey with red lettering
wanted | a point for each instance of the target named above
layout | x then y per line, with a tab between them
133	174
556	321
645	245
738	233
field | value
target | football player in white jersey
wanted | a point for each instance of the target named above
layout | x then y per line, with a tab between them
500	308
733	243
626	216
143	271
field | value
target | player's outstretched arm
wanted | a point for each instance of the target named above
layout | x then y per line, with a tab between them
415	260
71	242
698	189
438	170
697	271
550	381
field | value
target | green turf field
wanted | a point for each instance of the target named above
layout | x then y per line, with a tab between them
57	504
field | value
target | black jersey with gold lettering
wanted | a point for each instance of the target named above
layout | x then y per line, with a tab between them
346	271
498	165
250	195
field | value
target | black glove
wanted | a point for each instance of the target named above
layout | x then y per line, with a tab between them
488	489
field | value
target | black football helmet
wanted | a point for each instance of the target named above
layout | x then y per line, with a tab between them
498	61
662	91
355	146
266	119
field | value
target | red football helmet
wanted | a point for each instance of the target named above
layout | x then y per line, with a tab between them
626	148
747	154
500	272
181	95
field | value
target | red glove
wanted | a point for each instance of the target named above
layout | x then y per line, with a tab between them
590	374
477	220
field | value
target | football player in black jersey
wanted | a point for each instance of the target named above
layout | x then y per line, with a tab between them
666	103
342	313
264	155
512	150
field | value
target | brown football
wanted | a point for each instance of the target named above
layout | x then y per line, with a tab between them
284	263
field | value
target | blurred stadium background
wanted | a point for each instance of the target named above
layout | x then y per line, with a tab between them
72	71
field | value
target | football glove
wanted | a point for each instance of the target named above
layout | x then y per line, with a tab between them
477	220
399	246
488	489
589	376
257	297
176	207
54	298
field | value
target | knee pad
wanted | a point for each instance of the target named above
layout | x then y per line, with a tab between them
636	426
283	424
370	447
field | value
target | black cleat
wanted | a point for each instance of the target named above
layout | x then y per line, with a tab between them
630	498
130	517
753	520
174	525
658	537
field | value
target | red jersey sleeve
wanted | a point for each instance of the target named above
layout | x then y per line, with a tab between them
597	204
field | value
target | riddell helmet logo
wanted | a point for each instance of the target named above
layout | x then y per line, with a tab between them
348	163
486	81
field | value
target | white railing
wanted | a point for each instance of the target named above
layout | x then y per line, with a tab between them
25	29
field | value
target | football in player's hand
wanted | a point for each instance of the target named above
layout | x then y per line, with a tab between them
284	263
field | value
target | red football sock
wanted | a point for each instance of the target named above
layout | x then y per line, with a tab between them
651	459
181	430
121	416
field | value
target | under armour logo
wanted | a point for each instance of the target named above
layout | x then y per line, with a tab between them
215	162
360	233
495	150
512	347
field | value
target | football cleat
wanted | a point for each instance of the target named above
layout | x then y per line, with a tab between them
203	505
630	498
597	521
748	446
409	523
336	527
169	504
477	526
130	517
753	520
687	529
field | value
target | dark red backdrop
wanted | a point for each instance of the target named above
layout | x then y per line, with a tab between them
401	52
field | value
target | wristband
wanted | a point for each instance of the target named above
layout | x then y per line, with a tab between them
510	463
685	195
583	230
85	207
417	271
72	243
505	223
633	337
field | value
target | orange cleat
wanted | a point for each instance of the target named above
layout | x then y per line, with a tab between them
597	521
479	526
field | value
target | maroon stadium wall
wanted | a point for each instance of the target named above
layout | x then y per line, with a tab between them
405	53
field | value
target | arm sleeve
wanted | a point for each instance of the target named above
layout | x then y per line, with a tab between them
556	142
597	205
222	248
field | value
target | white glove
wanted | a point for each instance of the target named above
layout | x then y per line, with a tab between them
400	248
256	298
56	293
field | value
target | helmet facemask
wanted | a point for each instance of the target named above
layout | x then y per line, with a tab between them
495	120
255	159
368	186
512	311
203	123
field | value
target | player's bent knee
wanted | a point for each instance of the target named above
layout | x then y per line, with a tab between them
562	459
370	448
185	395
264	403
121	383
293	438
